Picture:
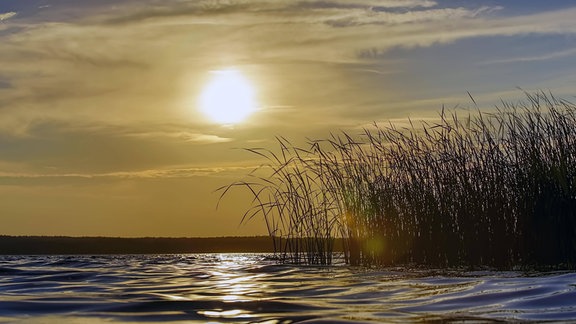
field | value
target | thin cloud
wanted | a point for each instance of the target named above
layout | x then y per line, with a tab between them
258	23
175	173
7	15
383	17
442	31
405	4
205	138
134	68
544	57
313	13
371	5
180	173
184	136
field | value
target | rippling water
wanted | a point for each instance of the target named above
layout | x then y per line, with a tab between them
248	288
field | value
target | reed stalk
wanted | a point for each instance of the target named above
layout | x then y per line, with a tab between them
491	188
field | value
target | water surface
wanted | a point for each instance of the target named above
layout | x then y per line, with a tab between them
250	288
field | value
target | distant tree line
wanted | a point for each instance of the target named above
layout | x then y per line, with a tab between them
35	245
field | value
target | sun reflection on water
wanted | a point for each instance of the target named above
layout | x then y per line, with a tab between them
234	283
232	313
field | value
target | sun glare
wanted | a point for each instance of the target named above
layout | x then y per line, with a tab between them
228	98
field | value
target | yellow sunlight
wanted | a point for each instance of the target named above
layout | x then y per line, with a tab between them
228	98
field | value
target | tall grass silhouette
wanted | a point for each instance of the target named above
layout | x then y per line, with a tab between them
485	189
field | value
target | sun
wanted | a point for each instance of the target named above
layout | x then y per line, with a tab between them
228	98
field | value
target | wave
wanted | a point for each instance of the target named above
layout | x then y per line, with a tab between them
247	288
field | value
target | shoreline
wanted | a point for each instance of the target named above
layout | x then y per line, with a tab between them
69	245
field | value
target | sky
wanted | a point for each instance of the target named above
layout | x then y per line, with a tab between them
101	131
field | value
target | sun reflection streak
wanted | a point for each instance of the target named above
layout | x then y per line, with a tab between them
232	313
236	286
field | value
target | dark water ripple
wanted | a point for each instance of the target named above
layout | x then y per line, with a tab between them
247	288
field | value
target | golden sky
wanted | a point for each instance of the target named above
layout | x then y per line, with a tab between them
102	133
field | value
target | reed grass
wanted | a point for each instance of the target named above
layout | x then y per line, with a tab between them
485	189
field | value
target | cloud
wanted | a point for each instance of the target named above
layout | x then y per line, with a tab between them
144	63
335	31
382	17
312	13
176	173
179	173
405	4
7	15
370	5
184	136
543	57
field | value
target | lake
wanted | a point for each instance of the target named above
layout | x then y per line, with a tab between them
252	288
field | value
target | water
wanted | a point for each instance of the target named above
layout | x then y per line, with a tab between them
249	288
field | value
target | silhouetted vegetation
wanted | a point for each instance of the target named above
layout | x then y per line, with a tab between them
491	188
